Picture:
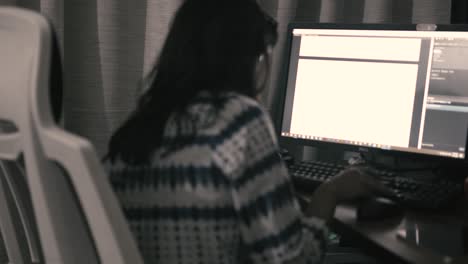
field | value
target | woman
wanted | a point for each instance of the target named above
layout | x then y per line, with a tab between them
196	167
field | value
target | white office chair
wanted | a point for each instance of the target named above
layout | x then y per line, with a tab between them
76	213
20	241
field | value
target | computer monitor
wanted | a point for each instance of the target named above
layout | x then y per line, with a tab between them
378	87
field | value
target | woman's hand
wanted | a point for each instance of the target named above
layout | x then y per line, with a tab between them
356	182
352	183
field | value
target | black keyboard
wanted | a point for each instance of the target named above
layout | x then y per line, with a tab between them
410	193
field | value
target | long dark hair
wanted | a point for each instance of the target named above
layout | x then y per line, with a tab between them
212	46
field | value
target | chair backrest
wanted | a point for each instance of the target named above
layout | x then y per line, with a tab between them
20	241
77	214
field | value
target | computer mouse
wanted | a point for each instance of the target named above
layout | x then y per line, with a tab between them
378	208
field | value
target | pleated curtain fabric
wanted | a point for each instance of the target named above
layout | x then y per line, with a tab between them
108	46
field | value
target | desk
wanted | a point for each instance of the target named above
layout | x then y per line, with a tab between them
380	238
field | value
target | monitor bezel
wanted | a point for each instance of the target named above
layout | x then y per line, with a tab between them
343	146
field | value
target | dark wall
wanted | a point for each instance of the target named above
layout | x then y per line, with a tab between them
459	12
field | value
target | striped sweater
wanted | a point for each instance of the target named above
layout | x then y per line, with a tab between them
217	192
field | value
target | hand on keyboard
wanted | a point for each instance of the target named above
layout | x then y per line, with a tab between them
307	176
350	183
357	182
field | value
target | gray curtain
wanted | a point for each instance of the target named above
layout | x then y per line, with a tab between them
108	45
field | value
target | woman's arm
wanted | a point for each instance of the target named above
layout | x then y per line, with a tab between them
273	229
